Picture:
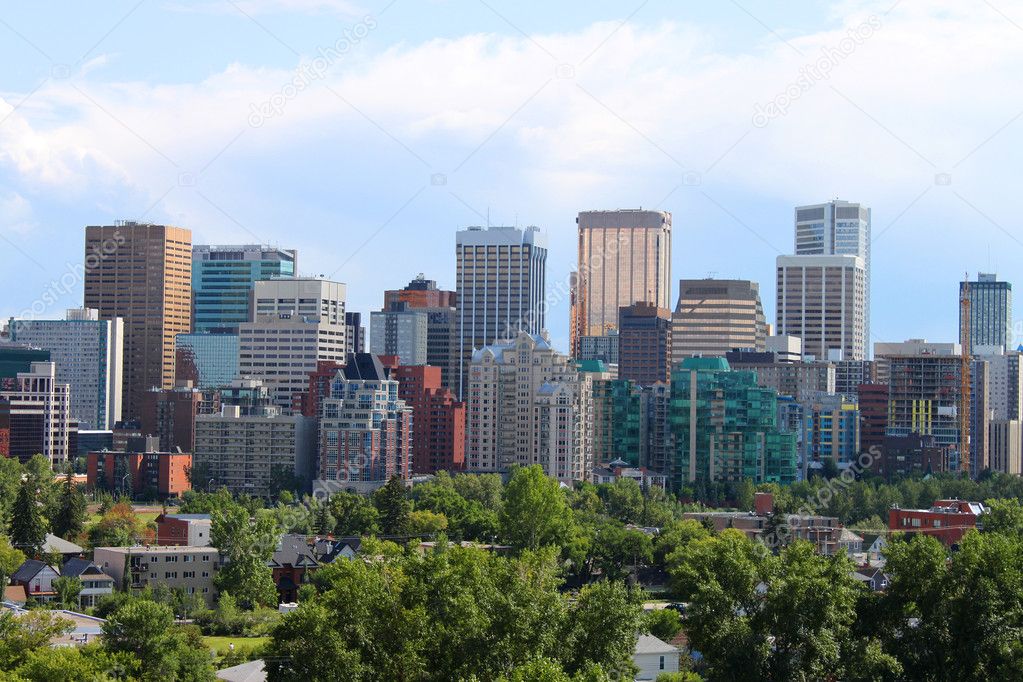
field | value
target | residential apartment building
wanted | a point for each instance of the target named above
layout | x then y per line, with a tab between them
365	432
188	530
523	406
725	427
823	301
152	474
438	420
88	353
170	415
624	258
798	380
501	276
1006	446
223	278
355	333
601	348
190	569
141	273
990	321
619	423
400	331
873	403
714	316
644	343
831	431
422	296
297	323
250	447
946	520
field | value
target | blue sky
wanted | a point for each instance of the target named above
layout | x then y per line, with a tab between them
414	119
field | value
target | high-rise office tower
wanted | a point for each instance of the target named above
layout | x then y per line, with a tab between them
143	274
222	281
837	228
296	323
399	331
644	343
36	409
822	300
355	333
990	311
88	353
501	276
624	258
714	316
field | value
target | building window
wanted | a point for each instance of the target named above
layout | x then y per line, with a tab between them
662	663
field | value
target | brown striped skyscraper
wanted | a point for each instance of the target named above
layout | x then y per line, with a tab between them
142	273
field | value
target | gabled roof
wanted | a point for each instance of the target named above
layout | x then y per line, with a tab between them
293	550
15	594
253	671
29	570
648	644
364	367
75	568
57	545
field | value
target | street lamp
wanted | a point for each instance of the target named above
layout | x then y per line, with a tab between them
124	486
209	485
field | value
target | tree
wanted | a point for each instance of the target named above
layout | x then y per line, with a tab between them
605	620
534	513
28	527
11	558
145	630
20	635
67	589
394	507
663	624
623	499
69	516
425	522
72	664
354	515
1003	516
119	527
617	549
246	544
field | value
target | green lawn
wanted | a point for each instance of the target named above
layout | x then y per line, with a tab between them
221	644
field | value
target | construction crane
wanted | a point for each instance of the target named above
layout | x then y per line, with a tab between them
964	375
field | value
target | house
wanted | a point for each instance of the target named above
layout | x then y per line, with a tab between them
327	549
872	577
253	671
37	579
95	583
189	530
55	545
654	657
849	541
292	563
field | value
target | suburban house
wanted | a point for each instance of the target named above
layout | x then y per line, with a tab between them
872	577
185	530
190	569
95	583
37	579
293	561
654	657
55	545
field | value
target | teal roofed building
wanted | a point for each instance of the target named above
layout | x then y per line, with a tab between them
725	427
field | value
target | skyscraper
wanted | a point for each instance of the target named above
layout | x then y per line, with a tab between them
714	316
822	300
990	311
296	323
624	258
422	297
644	343
837	228
501	276
222	281
141	273
88	353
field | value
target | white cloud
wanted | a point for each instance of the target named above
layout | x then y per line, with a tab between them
15	214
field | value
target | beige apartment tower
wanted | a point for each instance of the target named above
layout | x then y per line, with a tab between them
822	300
715	316
143	274
624	258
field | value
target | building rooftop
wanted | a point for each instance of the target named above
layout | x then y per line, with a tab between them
648	644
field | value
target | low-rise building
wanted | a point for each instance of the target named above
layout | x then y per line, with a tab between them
654	657
183	530
292	565
618	470
37	578
946	520
95	583
159	474
190	569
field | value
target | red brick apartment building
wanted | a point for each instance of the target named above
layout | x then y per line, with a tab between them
165	473
947	520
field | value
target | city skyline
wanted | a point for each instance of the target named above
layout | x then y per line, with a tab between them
85	122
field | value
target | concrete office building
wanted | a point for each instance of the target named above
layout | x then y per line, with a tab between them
37	410
297	323
89	355
794	379
837	228
822	300
522	408
170	414
250	446
714	316
422	296
355	333
624	258
1006	390
990	312
1006	446
223	278
400	331
501	275
141	273
644	343
601	348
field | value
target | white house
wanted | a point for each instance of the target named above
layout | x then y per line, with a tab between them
653	657
95	583
37	579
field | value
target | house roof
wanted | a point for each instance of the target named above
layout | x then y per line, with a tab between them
848	536
648	644
293	550
253	671
15	594
364	367
60	546
188	517
75	568
27	571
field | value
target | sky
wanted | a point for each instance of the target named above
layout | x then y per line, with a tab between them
365	133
